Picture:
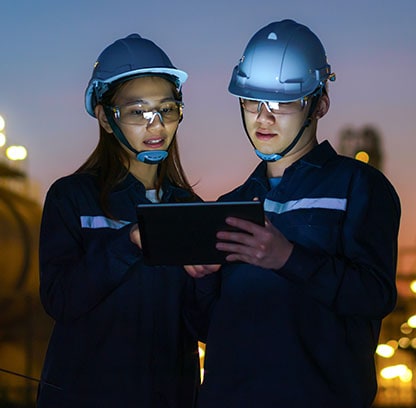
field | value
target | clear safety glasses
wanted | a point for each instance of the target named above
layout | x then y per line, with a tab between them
138	113
254	106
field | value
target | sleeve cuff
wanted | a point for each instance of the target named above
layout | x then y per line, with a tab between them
300	265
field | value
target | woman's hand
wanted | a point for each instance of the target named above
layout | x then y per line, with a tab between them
258	245
135	236
198	271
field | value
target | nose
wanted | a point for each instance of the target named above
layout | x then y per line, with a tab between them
264	115
150	116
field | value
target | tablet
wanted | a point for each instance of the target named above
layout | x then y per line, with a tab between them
185	233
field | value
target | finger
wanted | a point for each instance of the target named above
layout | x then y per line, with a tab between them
226	247
190	269
241	238
198	271
242	258
135	236
206	269
267	222
240	250
212	267
245	225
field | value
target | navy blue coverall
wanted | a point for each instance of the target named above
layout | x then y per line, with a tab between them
120	338
304	336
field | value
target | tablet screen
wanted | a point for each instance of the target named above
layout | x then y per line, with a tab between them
185	233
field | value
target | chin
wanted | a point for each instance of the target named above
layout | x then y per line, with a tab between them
268	151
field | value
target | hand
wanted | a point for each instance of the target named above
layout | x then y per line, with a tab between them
198	271
258	245
135	236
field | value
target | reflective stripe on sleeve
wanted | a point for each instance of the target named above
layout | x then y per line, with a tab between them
95	222
326	203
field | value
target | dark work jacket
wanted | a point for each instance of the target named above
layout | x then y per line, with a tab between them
305	335
120	338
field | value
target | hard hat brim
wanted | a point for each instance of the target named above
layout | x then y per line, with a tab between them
90	101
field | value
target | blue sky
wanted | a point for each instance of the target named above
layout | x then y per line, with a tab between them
48	49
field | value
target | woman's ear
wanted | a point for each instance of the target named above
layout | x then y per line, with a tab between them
323	106
181	114
102	119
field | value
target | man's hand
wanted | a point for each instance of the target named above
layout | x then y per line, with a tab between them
263	246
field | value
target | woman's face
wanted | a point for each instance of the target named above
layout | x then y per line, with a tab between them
151	130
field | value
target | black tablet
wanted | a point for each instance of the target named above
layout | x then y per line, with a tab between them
185	233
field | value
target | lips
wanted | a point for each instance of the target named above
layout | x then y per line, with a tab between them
264	135
154	142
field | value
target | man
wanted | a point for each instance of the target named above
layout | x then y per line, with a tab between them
297	320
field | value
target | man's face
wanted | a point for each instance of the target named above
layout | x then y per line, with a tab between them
272	132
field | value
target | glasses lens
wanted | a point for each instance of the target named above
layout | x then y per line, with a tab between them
250	105
274	107
136	113
170	111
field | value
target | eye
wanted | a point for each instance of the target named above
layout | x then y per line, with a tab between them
135	111
250	105
285	107
168	109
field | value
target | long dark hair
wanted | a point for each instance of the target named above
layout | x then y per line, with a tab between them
108	161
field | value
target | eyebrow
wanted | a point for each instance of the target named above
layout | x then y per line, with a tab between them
146	102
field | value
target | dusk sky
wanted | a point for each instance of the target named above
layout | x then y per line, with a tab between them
48	48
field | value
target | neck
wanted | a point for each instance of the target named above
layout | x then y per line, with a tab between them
145	173
277	168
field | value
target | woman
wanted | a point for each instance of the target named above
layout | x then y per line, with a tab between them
120	339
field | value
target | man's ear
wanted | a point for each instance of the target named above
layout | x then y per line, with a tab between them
323	106
102	119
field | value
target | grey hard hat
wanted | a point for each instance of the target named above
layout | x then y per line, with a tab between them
284	61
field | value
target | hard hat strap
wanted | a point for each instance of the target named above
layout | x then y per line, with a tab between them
315	98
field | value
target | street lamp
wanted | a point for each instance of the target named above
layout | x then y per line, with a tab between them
16	153
12	154
2	123
2	135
